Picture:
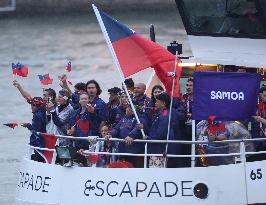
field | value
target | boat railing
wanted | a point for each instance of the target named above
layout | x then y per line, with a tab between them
8	6
155	141
241	154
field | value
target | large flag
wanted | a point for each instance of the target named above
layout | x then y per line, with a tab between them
163	70
20	69
45	79
136	53
228	96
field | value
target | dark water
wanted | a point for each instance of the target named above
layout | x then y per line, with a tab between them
45	44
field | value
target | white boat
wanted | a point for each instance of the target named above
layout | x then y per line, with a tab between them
215	38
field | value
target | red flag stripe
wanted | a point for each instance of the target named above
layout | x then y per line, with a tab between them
136	53
162	70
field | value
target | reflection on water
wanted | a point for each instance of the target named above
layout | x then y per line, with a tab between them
45	44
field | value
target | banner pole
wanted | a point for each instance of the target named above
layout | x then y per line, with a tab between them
170	110
109	44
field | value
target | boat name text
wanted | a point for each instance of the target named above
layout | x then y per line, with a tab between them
34	182
138	189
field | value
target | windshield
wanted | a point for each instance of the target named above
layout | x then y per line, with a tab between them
238	18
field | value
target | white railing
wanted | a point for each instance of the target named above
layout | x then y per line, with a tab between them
242	154
10	7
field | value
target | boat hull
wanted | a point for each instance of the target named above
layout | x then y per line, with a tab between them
45	184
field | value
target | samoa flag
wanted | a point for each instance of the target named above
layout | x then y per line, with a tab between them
228	95
68	67
11	125
20	69
136	53
45	79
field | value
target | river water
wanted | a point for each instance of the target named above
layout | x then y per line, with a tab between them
45	44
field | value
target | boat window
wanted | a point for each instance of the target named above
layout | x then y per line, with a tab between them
238	18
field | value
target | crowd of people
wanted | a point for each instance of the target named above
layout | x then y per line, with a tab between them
82	113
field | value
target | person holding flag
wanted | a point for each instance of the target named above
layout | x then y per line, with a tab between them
158	129
49	95
79	88
12	125
38	125
132	53
127	129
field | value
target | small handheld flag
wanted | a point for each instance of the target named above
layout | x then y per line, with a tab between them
11	125
20	69
93	158
214	127
68	67
14	69
45	79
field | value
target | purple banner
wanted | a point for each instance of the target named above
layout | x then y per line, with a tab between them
228	96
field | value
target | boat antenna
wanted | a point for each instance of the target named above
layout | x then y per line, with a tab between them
152	33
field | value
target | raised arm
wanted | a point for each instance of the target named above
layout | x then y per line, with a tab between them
22	91
64	83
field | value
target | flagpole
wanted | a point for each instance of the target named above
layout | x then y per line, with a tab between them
170	110
109	44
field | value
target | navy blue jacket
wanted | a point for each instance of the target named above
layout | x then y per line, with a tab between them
145	103
112	112
177	125
126	127
120	113
83	123
99	114
75	101
38	125
158	131
180	108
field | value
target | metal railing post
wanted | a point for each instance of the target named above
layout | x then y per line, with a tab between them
145	157
193	145
243	159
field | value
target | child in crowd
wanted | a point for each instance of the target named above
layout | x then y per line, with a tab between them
105	146
100	146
